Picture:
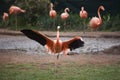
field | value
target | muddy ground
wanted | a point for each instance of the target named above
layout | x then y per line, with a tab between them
105	57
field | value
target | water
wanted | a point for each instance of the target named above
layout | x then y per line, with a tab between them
30	46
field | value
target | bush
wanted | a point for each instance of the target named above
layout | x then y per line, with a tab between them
34	9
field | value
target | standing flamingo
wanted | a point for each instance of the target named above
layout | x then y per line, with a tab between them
65	15
16	10
54	46
95	22
83	14
52	13
5	18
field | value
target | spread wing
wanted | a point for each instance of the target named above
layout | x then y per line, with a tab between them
73	43
40	38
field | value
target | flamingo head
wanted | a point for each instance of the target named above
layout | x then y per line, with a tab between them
82	8
102	8
67	10
4	13
58	27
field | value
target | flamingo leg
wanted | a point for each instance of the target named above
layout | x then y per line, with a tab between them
57	56
56	61
16	21
97	40
95	35
64	25
84	26
54	23
6	23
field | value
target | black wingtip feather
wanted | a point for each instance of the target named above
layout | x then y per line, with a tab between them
76	44
34	36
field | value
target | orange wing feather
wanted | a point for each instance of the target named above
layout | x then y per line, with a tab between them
73	43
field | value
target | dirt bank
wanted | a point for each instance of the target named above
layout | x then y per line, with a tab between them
68	34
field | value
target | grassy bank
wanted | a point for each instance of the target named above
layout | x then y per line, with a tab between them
70	71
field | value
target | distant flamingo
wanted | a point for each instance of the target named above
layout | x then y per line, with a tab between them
65	15
5	18
95	22
16	10
52	12
83	14
54	46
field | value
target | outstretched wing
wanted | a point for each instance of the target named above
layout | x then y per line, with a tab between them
73	43
40	38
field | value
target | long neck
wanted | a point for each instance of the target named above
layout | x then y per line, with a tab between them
82	9
51	6
66	9
57	35
99	14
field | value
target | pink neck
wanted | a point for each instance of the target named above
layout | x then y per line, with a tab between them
99	14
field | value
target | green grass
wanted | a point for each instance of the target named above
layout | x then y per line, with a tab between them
34	71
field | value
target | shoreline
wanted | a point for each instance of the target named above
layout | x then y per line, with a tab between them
66	34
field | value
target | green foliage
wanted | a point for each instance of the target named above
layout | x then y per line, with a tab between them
111	23
37	17
34	9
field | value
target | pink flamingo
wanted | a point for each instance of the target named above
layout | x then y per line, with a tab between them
83	14
95	22
52	12
54	46
5	18
16	10
65	15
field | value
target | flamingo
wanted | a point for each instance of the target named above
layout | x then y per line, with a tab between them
16	10
95	22
5	18
52	12
65	15
54	46
83	14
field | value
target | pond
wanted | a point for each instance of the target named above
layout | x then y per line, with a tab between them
25	44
